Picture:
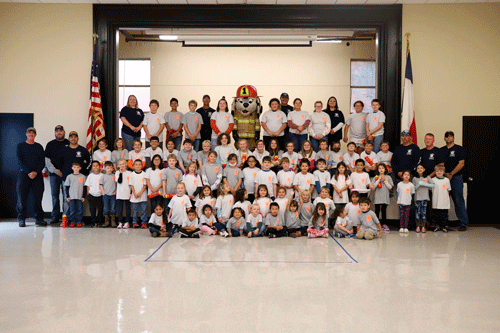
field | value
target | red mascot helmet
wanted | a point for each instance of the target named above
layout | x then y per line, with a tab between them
246	91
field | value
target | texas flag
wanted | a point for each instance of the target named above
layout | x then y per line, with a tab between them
408	114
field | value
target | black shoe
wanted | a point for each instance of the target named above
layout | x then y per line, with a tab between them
184	236
22	224
155	234
54	221
462	228
41	223
450	228
437	228
196	236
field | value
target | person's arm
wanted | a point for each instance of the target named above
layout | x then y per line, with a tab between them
368	132
264	126
198	130
146	130
459	167
160	130
346	131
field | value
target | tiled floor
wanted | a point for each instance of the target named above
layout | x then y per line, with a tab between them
104	280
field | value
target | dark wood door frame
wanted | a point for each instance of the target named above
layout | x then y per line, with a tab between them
387	20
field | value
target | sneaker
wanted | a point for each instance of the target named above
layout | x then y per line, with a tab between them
437	228
135	225
445	229
95	225
72	225
450	228
225	234
462	228
144	226
120	225
196	236
126	225
22	224
417	230
41	223
406	231
155	234
423	230
385	227
184	236
340	235
401	230
79	225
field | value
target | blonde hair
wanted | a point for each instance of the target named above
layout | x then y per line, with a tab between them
136	101
172	156
193	102
306	192
206	143
439	167
195	166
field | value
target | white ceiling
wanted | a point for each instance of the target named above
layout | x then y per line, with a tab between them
256	2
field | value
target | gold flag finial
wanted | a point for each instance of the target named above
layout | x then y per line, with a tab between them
95	36
407	35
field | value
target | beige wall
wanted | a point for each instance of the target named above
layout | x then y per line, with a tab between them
45	60
311	73
456	64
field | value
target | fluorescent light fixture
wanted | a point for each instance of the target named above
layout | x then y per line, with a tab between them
168	37
246	40
334	41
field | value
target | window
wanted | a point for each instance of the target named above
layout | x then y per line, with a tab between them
134	78
363	83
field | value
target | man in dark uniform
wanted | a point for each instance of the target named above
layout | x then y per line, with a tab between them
31	159
73	153
405	157
284	98
206	113
52	149
454	163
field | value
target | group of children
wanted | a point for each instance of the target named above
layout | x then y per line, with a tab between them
249	193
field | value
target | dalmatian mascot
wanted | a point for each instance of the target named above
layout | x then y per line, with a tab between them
246	109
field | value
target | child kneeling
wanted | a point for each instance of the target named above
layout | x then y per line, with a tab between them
189	227
369	226
156	224
318	226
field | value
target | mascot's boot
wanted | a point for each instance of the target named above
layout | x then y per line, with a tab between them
107	220
113	221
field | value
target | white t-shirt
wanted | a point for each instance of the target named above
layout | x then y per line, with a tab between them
360	182
440	193
286	178
353	212
268	178
372	156
178	206
298	118
101	156
224	152
123	188
293	158
155	177
259	156
340	183
249	175
350	159
225	203
357	126
263	204
385	158
304	182
137	180
149	152
329	205
153	121
192	183
200	203
93	182
405	192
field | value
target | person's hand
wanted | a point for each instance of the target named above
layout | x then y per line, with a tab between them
68	200
332	131
345	139
381	233
83	199
32	174
340	195
448	175
59	173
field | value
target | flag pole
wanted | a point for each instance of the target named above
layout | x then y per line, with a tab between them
407	35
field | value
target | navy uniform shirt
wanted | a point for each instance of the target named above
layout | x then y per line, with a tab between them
405	158
134	117
336	117
430	158
53	148
206	129
70	155
452	157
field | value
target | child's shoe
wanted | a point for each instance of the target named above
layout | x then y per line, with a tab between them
340	235
79	225
417	230
437	228
120	225
196	236
385	227
423	230
144	225
72	225
406	231
155	234
445	229
135	225
126	225
401	230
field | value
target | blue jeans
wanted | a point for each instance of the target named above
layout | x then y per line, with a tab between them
214	143
376	143
56	185
262	229
298	140
139	208
457	195
178	142
75	211
196	144
315	143
109	202
129	140
119	211
25	185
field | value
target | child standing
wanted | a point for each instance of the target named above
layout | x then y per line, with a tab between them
262	199
324	197
122	177
192	181
139	198
173	123
360	180
74	186
304	180
155	180
172	176
179	205
405	191
440	198
223	206
352	208
221	121
108	189
192	122
285	176
324	153
154	123
275	154
186	155
243	152
254	226
94	194
211	173
368	225
306	209
282	200
204	198
308	153
350	157
170	149
321	178
223	149
382	185
250	170
260	151
340	183
375	125
343	225
336	157
202	155
241	201
232	175
274	222
120	153
385	156
422	187
318	225
189	228
292	156
153	149
136	154
370	158
267	177
236	222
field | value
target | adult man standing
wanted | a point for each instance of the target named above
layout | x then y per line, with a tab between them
431	156
72	153
406	156
31	159
52	150
454	163
206	113
284	98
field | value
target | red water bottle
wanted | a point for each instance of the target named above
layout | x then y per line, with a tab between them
65	221
45	173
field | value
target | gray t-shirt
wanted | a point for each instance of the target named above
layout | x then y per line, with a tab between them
373	119
117	155
306	213
422	192
172	176
292	220
153	121
382	191
369	221
192	120
211	171
273	221
108	182
274	120
233	175
357	126
174	119
76	185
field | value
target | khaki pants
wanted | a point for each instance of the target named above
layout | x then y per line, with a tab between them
366	234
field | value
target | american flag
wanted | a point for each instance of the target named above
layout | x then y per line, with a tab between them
95	131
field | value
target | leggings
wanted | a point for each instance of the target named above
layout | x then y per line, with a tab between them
404	216
315	233
381	208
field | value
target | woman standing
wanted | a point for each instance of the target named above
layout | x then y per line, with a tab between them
274	122
132	118
221	121
336	119
298	121
320	125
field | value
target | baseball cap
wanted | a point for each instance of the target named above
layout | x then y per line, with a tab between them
405	132
30	129
73	133
59	127
284	95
